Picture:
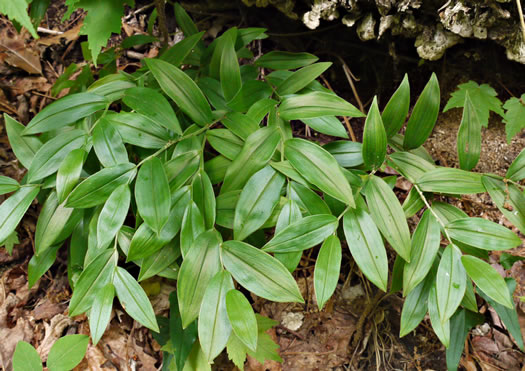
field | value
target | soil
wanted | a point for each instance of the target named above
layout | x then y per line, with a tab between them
358	329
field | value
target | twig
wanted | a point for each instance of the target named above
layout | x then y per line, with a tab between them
161	11
350	77
48	31
138	11
346	120
522	22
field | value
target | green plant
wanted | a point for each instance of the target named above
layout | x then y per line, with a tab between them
194	175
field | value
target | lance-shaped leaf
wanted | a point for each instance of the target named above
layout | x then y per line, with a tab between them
182	49
409	165
225	142
327	267
152	194
204	198
14	208
96	189
67	352
469	136
320	168
278	60
139	130
226	204
49	157
159	261
388	215
229	69
461	323
255	154
303	234
181	168
413	203
483	234
242	318
425	245
396	109
152	104
113	86
65	111
329	125
69	173
366	245
216	168
316	104
192	227
182	339
26	357
182	90
199	266
108	144
112	216
259	272
214	325
251	92
415	306
258	198
8	185
374	138
451	282
451	181
442	329
51	223
23	146
134	300
509	200
308	200
424	115
94	277
346	152
241	125
516	171
40	264
100	313
286	168
289	214
488	280
301	78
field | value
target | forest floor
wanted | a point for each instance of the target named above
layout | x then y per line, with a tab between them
354	331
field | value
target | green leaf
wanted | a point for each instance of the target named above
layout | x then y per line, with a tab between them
230	73
152	194
184	21
329	125
251	92
255	154
96	189
286	168
112	216
214	325
14	208
462	321
137	40
257	200
415	306
278	60
113	86
216	168
182	339
424	115
98	33
469	137
425	245
94	277
204	197
51	223
241	125
396	109
69	173
197	360
139	130
108	144
184	48
366	246
26	357
65	111
16	10
49	157
152	104
316	104
508	316
482	233
181	168
327	267
242	318
259	272
303	234
451	282
8	185
301	78
346	152
192	227
308	200
40	264
100	313
320	168
469	300
261	108
515	172
396	142
413	203
289	214
67	352
509	200
374	138
134	300
483	99
226	204
409	165
182	90
388	215
155	264
10	242
488	280
442	329
24	147
513	119
199	266
225	142
451	181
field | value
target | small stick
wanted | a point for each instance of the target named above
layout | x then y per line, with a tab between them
48	31
346	120
522	22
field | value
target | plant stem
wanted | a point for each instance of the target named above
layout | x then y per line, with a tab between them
522	22
98	120
161	11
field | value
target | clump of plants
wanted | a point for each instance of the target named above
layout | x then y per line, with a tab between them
188	169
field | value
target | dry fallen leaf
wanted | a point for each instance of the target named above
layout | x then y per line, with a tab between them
68	36
15	52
